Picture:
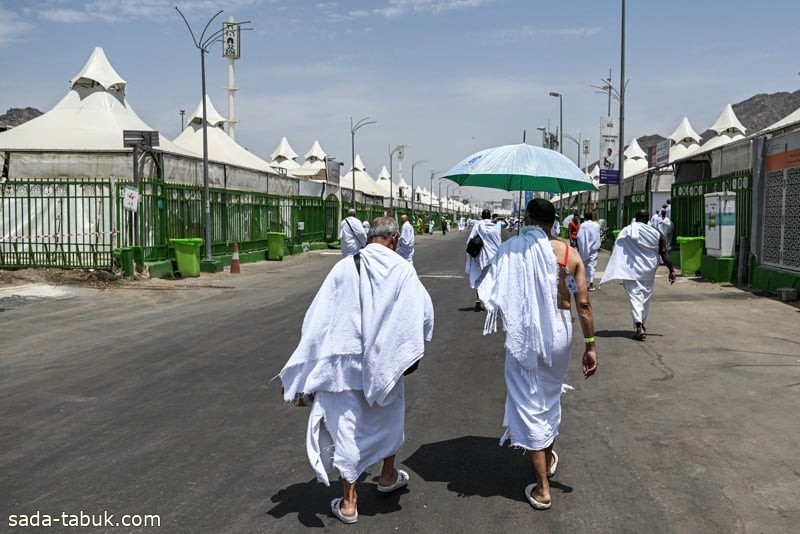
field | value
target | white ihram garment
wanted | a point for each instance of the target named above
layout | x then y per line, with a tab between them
405	245
361	332
476	267
634	260
589	247
352	236
521	283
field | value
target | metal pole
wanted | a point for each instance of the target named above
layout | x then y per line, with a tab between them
206	192
391	183
430	197
353	161
231	95
620	196
560	123
182	112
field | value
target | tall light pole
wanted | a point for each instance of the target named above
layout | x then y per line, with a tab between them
392	151
353	129
413	192
577	142
430	198
560	120
607	88
620	197
182	112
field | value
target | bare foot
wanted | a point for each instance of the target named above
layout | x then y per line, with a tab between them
540	495
389	481
348	508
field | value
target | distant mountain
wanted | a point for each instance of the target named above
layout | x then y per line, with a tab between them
16	116
755	113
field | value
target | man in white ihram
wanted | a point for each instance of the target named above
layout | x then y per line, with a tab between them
476	267
366	327
352	235
405	245
634	260
589	246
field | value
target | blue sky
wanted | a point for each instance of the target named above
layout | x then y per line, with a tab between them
445	77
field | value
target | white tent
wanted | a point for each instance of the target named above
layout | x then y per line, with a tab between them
727	129
284	157
383	183
221	147
364	181
684	141
314	165
635	159
91	116
403	190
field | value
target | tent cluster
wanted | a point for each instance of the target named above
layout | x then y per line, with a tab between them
82	135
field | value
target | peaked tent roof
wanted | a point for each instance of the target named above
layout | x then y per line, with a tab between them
788	120
685	141
213	117
728	122
402	189
363	181
283	152
89	118
315	153
98	71
221	147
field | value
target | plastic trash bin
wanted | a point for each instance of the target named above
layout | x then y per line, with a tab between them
187	254
691	254
275	244
126	256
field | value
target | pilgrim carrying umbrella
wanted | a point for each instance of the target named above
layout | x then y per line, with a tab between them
521	167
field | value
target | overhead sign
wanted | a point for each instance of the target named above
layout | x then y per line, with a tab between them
230	40
609	150
139	138
662	153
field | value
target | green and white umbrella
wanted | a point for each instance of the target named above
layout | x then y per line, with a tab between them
521	167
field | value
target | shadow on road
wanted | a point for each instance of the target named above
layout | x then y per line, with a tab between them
311	501
474	465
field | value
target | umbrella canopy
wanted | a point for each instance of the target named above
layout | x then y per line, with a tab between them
521	167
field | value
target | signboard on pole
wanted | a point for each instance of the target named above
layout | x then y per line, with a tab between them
662	153
609	147
230	40
332	171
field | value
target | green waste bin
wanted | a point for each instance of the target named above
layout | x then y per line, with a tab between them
691	254
126	255
275	243
187	254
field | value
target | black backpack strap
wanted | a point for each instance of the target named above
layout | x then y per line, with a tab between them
357	261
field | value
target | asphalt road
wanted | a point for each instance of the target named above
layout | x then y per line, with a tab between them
157	400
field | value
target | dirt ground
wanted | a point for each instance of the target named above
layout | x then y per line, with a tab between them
93	278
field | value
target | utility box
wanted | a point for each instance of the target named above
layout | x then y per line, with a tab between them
720	224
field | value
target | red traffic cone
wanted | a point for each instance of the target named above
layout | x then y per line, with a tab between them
235	269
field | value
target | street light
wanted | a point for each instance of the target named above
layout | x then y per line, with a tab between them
413	192
577	142
560	120
399	149
353	129
430	198
608	88
203	44
620	166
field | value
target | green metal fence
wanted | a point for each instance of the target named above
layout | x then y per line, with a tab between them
57	223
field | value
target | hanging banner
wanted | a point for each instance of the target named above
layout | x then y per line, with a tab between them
609	146
230	40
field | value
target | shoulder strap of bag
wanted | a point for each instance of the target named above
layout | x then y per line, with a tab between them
354	233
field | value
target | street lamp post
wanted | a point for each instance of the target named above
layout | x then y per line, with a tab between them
203	44
182	112
398	149
353	129
577	142
430	198
620	166
413	192
607	88
560	120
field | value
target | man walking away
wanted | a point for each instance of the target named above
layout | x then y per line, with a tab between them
634	260
365	328
352	235
405	246
489	232
666	227
530	283
589	246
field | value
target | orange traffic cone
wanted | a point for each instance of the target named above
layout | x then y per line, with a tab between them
235	269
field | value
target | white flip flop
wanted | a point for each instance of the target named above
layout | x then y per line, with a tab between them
401	482
337	511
